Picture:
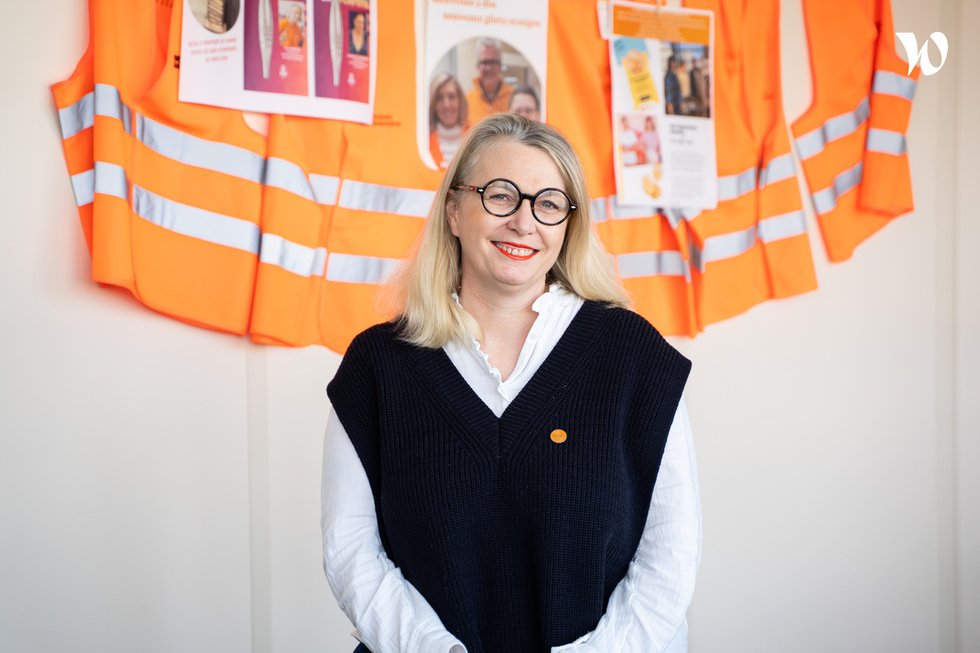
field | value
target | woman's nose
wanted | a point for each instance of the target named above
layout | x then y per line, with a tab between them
522	220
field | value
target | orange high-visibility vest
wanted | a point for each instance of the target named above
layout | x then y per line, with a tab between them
753	246
175	188
343	203
688	269
302	182
356	201
479	106
651	260
851	140
97	124
385	190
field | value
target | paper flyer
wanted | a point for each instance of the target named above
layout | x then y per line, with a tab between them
314	58
663	128
477	57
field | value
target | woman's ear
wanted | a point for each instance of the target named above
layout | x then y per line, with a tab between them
452	213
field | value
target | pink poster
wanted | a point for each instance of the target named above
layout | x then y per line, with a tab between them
276	42
343	46
315	58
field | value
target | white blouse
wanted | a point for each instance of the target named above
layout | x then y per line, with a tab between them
646	611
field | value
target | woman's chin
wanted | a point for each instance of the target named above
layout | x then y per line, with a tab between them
514	279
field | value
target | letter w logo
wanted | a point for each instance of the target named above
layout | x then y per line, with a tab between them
921	57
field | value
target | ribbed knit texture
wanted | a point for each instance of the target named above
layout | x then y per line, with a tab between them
515	540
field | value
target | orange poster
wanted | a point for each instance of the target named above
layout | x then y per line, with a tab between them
663	124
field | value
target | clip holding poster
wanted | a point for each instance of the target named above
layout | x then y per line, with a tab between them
662	115
313	58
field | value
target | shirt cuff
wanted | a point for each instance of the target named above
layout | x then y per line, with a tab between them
440	641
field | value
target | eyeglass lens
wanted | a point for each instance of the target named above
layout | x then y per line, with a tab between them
501	197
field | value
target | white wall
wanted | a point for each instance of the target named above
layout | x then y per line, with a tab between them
160	482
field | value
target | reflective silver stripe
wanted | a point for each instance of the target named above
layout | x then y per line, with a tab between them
196	223
103	101
293	257
888	83
108	103
194	151
814	142
694	256
732	186
725	246
78	116
110	179
717	248
885	142
676	216
620	212
83	186
778	169
363	196
325	189
825	200
359	269
104	178
599	207
288	176
785	225
651	264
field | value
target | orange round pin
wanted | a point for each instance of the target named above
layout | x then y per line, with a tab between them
558	436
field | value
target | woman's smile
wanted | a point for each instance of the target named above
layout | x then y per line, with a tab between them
515	251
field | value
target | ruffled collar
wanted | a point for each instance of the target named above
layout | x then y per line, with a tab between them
544	304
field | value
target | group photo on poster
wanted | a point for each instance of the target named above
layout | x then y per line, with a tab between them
477	61
472	81
687	80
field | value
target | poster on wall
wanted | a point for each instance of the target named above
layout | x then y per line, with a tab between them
312	58
475	58
663	128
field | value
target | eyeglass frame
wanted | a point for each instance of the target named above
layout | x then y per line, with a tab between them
521	196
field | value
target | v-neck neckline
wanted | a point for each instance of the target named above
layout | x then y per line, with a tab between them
471	416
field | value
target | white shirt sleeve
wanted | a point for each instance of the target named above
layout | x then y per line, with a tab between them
647	610
390	615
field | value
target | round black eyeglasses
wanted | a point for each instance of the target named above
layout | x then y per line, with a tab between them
501	197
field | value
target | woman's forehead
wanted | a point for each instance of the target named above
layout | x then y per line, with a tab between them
522	164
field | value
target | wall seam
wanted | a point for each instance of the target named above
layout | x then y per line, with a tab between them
946	344
260	550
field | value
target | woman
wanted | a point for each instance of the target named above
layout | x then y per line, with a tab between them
499	442
524	102
631	144
358	34
447	118
651	140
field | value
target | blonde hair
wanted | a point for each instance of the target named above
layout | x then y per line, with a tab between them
420	291
438	82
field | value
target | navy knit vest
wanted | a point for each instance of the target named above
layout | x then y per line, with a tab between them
515	539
